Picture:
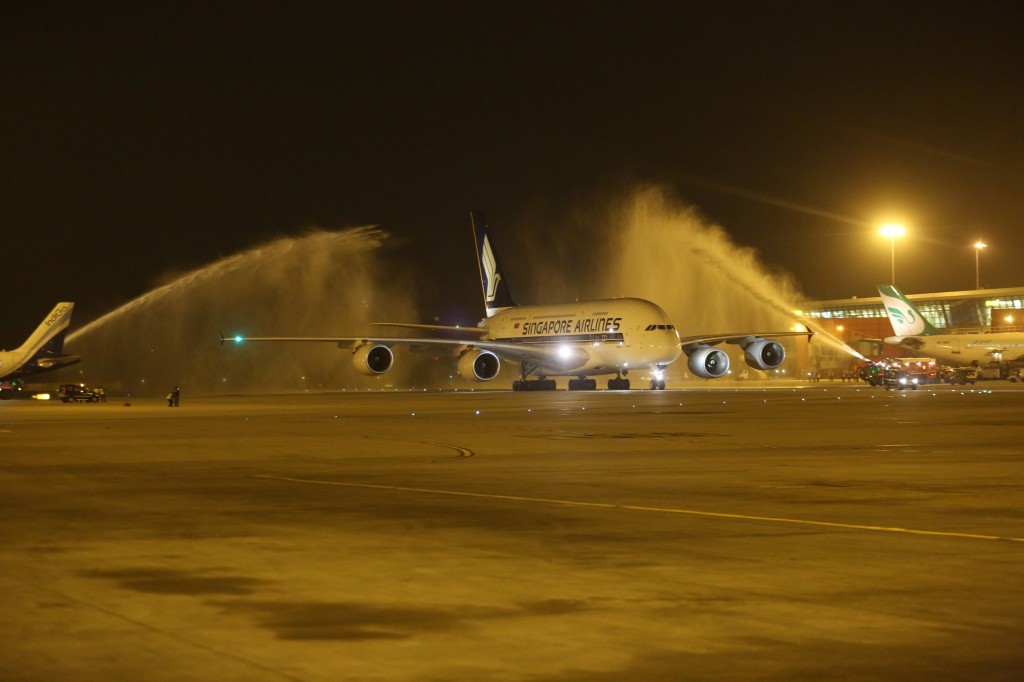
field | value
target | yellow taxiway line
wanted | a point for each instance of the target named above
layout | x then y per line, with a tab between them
661	510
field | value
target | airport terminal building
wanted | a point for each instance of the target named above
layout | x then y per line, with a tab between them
862	323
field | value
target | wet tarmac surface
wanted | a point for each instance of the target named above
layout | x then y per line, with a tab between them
831	532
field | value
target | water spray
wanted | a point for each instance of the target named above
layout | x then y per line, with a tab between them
324	282
659	248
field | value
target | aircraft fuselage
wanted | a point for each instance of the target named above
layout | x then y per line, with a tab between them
613	335
981	348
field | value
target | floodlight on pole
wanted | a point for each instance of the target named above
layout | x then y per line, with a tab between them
978	246
892	231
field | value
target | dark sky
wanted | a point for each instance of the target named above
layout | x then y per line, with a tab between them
143	138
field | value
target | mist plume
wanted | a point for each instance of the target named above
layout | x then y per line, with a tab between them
321	284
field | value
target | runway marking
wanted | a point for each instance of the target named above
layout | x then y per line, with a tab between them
653	435
662	510
464	453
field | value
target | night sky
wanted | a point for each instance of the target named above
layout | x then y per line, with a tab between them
140	139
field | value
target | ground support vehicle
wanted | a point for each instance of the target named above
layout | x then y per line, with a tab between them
77	393
900	381
963	376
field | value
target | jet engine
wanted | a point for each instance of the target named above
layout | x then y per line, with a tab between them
764	353
371	359
708	362
479	365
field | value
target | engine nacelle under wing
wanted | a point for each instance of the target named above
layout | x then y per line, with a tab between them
480	365
372	359
764	353
708	362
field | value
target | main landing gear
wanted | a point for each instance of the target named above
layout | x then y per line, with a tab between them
524	384
581	384
534	384
618	383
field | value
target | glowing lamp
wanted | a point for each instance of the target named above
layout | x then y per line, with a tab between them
978	246
892	230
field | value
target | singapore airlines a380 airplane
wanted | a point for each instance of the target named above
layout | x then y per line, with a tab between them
579	340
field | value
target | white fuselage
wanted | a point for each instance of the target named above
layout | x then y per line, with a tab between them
615	335
980	348
10	361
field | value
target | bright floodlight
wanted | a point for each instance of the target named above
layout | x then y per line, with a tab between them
892	230
978	246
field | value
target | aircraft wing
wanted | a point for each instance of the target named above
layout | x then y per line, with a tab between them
715	339
57	361
431	327
562	358
1004	353
42	363
352	341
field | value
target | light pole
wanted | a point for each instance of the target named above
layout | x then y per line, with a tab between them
892	231
978	246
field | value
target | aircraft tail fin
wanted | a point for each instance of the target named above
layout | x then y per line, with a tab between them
44	348
495	290
49	335
906	319
55	346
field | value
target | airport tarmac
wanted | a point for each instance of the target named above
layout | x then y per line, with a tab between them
827	532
